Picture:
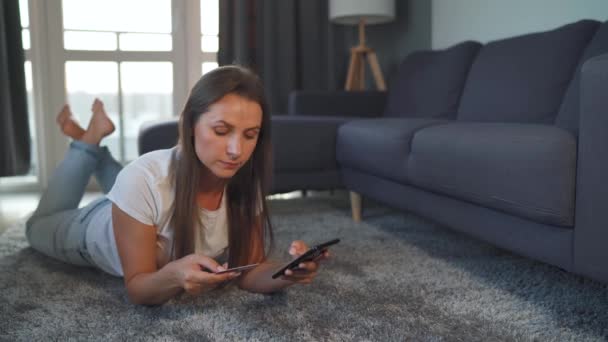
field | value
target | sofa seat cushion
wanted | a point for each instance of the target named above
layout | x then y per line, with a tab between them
526	170
379	146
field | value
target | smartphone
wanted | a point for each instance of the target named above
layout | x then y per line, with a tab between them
308	256
237	269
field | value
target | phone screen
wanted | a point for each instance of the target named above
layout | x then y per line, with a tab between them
238	269
311	254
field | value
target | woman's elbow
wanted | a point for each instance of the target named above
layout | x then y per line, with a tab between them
137	299
135	296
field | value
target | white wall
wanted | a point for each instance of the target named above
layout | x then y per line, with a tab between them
454	21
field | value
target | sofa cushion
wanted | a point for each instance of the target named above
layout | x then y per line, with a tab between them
379	146
523	169
523	79
568	116
429	83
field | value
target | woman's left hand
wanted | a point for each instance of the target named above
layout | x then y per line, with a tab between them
306	271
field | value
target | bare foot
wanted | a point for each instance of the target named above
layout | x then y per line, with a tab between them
100	125
68	124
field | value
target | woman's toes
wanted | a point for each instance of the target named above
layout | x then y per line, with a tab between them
100	124
64	114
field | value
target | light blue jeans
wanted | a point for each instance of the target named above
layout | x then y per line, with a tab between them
58	227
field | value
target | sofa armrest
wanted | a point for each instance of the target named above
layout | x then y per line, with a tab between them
157	135
337	103
591	217
304	150
305	143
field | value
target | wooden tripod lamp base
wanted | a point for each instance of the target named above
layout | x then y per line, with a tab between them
355	79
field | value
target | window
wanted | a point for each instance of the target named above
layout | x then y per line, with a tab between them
209	34
25	24
25	36
87	26
122	61
138	56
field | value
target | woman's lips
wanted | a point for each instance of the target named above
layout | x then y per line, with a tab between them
228	165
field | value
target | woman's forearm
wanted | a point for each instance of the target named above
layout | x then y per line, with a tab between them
153	288
260	280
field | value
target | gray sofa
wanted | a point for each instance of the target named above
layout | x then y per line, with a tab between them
505	141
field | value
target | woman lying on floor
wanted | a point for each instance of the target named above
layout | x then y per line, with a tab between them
172	218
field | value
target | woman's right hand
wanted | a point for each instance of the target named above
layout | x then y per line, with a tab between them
195	274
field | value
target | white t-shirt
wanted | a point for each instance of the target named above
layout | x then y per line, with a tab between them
144	191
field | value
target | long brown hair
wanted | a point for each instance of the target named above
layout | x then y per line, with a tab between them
245	191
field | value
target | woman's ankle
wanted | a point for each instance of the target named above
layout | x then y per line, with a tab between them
91	138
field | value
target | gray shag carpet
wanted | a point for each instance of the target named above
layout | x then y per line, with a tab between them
393	277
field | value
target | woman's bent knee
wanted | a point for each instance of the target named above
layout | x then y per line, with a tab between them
28	228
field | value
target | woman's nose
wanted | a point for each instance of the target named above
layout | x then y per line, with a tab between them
234	148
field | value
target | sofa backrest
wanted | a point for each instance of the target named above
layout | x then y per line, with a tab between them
524	78
429	83
568	116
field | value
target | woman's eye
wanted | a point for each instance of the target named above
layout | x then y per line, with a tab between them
251	136
221	131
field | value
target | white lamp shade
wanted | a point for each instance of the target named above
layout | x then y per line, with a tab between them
350	12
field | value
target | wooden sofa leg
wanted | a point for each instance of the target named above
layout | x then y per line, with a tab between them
355	205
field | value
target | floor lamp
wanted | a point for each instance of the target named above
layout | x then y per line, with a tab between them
361	13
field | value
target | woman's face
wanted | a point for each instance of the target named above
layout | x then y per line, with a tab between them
226	135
